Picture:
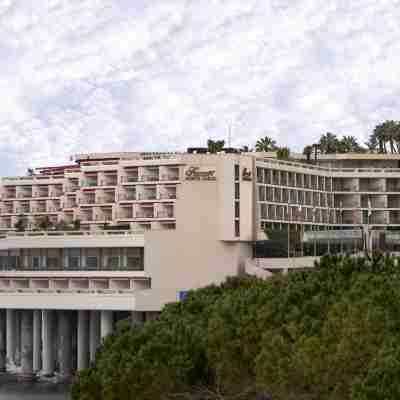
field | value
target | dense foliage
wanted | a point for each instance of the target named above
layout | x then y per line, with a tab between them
333	333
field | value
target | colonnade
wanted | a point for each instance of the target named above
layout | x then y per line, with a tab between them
48	341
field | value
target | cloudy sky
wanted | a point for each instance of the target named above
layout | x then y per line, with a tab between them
111	75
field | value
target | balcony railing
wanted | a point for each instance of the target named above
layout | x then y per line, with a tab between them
147	196
38	209
149	178
109	182
170	177
105	200
22	195
130	178
127	196
125	215
168	196
103	217
89	183
165	214
144	214
87	200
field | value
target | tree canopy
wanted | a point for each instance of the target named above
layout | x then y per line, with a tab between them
328	334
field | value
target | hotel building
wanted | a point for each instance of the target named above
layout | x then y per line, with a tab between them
119	235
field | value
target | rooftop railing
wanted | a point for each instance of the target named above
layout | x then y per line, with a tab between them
45	234
327	169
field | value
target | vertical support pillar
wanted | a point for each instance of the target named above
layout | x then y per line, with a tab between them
65	344
48	346
37	340
106	323
17	353
83	339
10	337
27	343
2	340
94	334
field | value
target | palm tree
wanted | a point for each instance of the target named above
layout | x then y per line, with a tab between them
386	132
214	146
349	144
283	153
328	143
266	144
307	151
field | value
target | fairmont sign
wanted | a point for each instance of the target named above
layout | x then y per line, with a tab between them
195	174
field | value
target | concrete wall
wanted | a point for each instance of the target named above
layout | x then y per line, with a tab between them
194	255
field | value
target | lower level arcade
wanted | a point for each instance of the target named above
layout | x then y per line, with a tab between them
56	342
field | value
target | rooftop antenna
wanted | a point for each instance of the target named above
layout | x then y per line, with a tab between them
229	134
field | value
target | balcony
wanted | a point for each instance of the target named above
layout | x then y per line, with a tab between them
147	196
24	194
89	182
170	177
130	178
10	195
149	178
105	200
39	209
86	217
126	213
145	214
88	200
103	217
109	181
41	193
70	204
165	214
128	196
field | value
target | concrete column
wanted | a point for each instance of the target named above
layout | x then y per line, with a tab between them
17	354
106	323
27	343
2	340
48	345
37	340
83	339
65	344
94	334
10	337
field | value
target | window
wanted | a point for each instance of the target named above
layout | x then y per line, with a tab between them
237	191
73	258
237	172
35	262
237	209
237	228
261	193
91	262
135	259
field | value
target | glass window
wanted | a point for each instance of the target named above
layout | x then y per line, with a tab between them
237	209
73	256
237	172
237	191
237	228
91	262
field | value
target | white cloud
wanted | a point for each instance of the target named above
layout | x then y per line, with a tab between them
102	75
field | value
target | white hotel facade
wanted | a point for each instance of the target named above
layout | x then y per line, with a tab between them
184	220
